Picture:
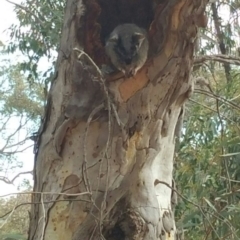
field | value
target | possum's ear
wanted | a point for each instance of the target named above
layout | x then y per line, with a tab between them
139	38
113	38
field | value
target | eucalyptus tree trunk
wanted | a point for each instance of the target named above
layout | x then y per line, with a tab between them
105	151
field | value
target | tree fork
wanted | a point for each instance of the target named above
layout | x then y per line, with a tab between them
107	143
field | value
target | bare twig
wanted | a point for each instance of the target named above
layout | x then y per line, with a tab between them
84	167
45	202
4	124
110	107
213	95
185	199
230	179
218	58
8	181
18	143
9	216
9	138
50	193
16	151
28	11
19	151
43	217
213	110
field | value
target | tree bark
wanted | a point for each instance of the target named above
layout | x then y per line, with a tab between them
105	151
220	38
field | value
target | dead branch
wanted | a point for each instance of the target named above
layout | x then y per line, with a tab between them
215	96
13	134
218	58
213	110
187	200
45	202
27	11
8	181
50	193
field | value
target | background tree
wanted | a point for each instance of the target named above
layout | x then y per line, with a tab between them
21	106
17	209
206	164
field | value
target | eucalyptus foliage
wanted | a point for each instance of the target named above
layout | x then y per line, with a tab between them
37	35
207	162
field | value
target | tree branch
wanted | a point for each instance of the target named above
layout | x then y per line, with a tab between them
45	202
8	181
220	38
218	58
213	110
27	11
213	95
11	135
18	143
51	193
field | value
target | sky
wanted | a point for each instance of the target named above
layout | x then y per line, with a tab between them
7	17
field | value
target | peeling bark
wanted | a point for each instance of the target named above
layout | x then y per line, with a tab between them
106	144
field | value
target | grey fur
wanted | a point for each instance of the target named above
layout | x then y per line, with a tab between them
127	48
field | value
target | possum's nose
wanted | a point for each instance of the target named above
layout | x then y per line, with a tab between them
128	60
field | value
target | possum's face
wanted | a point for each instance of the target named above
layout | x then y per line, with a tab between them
127	47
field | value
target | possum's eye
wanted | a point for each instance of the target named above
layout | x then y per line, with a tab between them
138	39
127	48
